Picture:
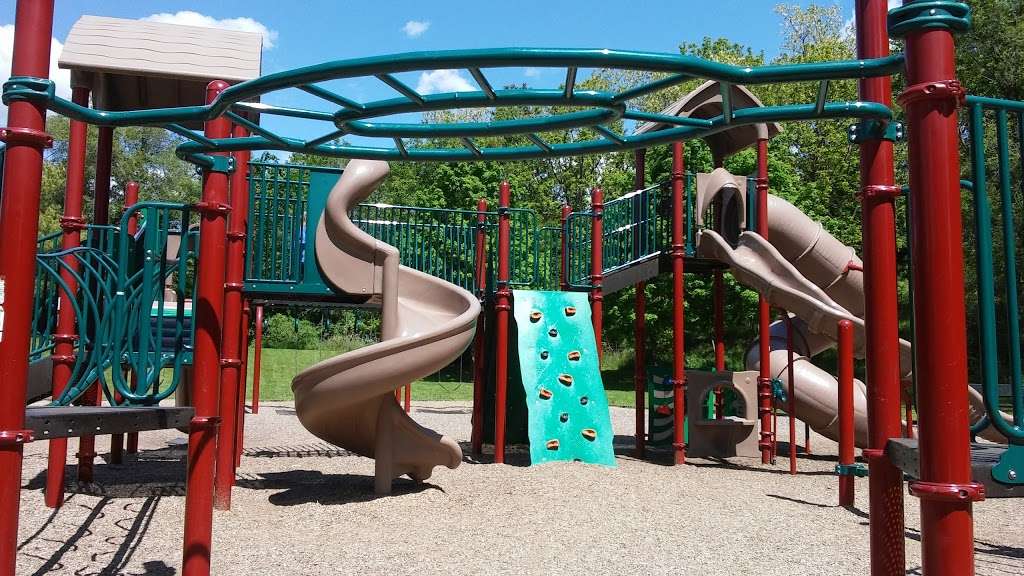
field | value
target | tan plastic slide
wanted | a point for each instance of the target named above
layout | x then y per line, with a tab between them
348	400
808	272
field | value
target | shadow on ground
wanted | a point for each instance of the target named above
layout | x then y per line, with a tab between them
314	487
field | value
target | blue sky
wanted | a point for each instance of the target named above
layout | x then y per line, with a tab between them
301	32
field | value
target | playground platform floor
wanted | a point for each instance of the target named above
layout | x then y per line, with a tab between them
304	507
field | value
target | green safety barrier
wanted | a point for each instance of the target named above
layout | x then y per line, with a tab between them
1010	469
116	285
567	410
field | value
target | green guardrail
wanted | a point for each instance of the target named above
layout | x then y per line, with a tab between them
114	281
1011	466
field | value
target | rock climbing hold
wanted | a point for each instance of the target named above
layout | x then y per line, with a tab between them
589	433
552	444
544	355
553	332
564	416
535	316
570	310
545	394
565	379
574	355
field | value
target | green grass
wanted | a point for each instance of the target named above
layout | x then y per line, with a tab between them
280	366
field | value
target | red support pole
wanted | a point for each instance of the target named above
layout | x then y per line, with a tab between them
257	358
945	488
19	219
209	318
878	224
640	322
718	289
639	367
502	307
908	407
479	340
244	374
678	314
66	334
408	397
563	274
101	215
131	197
846	432
597	267
764	379
231	351
791	393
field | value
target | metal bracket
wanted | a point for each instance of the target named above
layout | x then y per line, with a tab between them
199	423
14	437
859	470
875	129
1010	469
234	286
235	235
947	491
28	89
15	136
212	162
231	362
879	193
207	208
72	223
939	90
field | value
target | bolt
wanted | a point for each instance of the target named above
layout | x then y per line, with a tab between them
1012	474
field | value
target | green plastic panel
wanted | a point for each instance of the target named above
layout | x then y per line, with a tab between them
565	397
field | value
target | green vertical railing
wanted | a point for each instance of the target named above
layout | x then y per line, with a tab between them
275	243
1010	468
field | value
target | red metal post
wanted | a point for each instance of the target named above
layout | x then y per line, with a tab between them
878	224
19	219
257	358
408	397
563	271
791	394
131	197
101	215
846	432
639	367
908	407
640	323
244	375
945	487
66	334
502	307
231	351
718	289
764	379
678	295
479	340
209	318
597	267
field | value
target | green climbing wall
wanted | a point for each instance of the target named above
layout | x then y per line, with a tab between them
567	410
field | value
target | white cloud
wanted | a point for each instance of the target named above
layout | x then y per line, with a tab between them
61	78
532	72
415	28
242	24
443	81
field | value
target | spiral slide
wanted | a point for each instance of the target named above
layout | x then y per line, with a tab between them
348	400
807	271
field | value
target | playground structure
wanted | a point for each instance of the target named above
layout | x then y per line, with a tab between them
93	282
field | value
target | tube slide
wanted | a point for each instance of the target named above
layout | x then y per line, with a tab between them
348	400
808	272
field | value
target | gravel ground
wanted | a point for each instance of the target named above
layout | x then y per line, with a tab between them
304	507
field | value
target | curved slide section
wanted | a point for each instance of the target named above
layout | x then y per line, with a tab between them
348	400
818	279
